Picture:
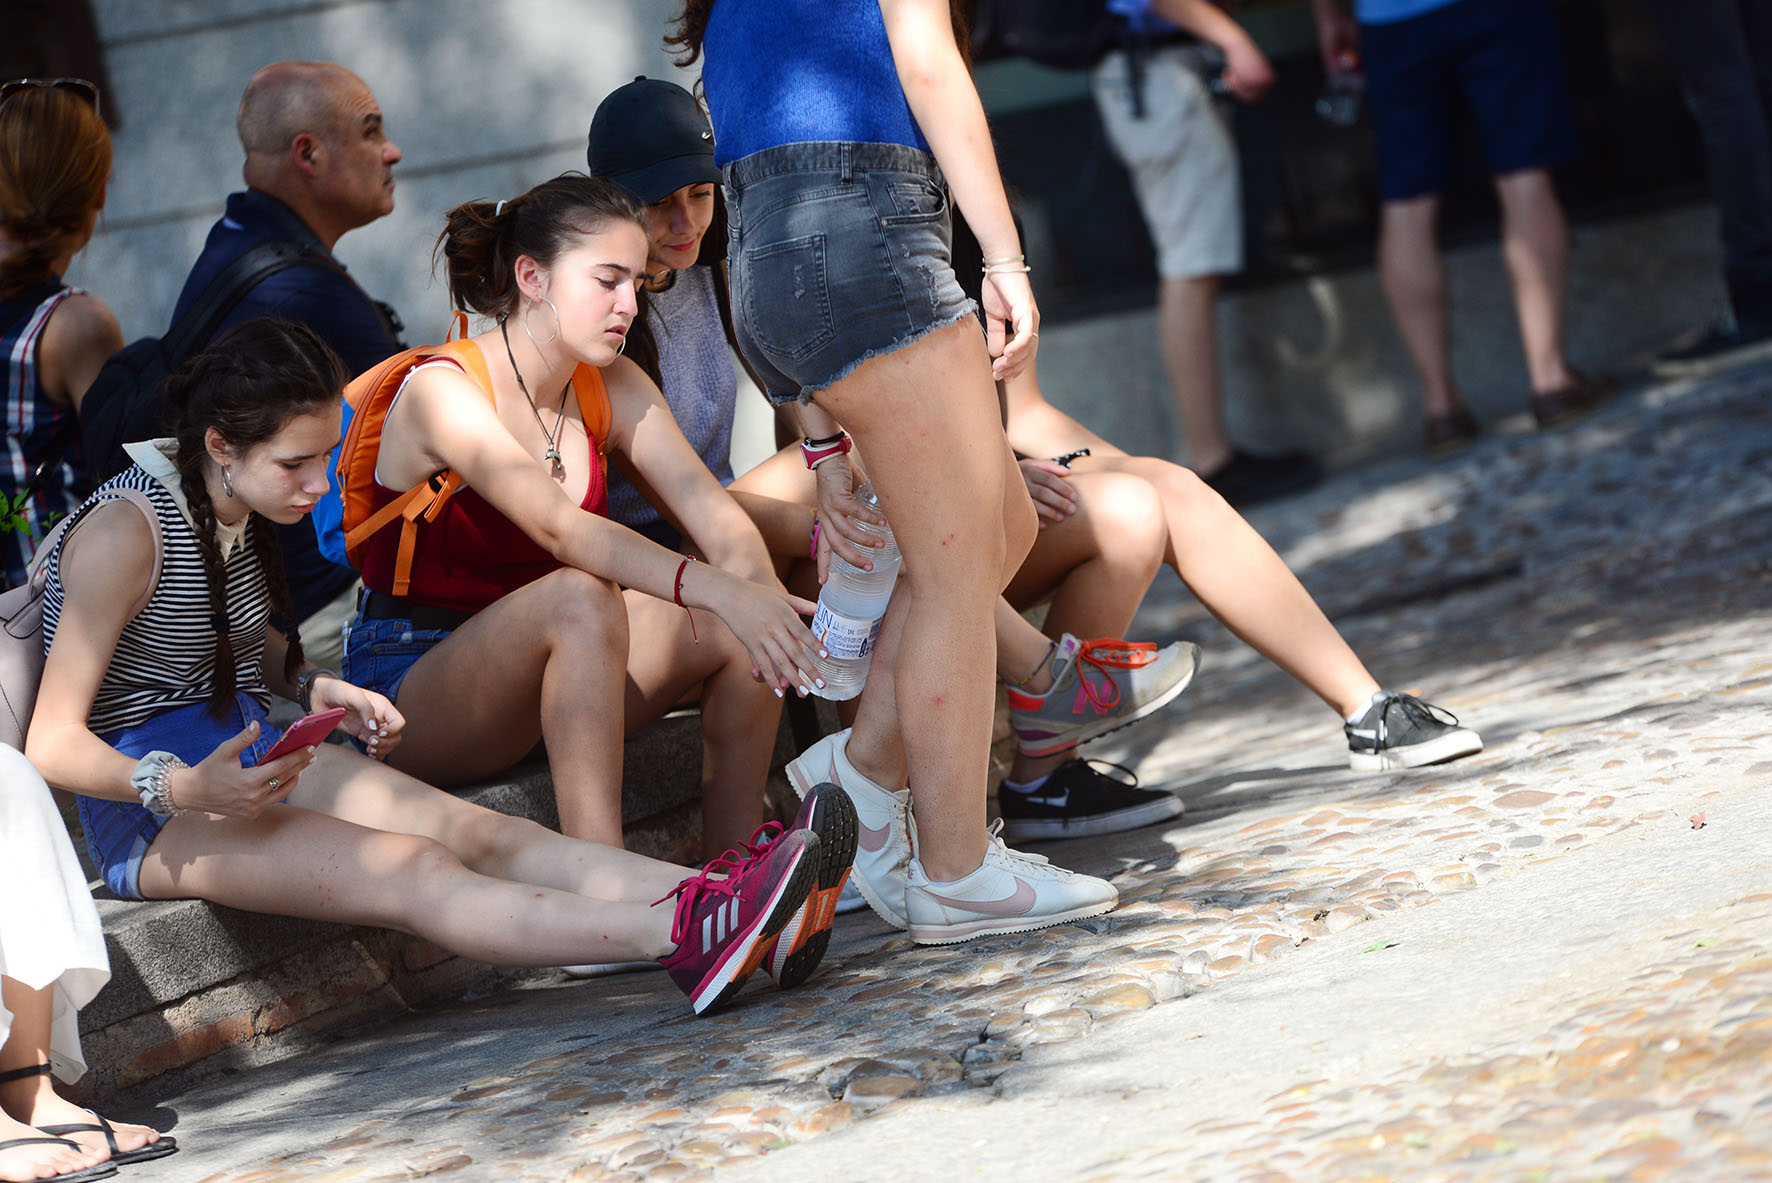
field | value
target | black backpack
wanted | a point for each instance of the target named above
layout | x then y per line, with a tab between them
1062	34
124	402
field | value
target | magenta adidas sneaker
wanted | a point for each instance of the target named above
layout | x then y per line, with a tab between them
724	927
827	811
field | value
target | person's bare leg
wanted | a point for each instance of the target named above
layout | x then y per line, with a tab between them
925	419
548	661
295	862
739	715
343	784
1094	567
1535	246
1240	580
1187	331
1414	281
31	1102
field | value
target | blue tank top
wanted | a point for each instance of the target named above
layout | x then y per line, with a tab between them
802	71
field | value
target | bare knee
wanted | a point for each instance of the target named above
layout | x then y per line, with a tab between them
1126	518
492	839
419	871
584	609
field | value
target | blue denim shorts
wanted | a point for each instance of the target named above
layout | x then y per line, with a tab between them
1502	56
380	652
118	833
839	252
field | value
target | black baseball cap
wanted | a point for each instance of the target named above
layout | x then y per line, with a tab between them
651	138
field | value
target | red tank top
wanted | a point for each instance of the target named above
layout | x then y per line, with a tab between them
472	555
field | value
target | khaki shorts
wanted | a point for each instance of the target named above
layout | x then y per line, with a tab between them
1183	161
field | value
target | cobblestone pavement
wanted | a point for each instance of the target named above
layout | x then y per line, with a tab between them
1593	599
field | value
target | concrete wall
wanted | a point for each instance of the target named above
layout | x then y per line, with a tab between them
484	99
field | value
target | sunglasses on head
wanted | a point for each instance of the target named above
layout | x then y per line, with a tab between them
75	86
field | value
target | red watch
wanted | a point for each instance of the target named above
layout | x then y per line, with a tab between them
818	451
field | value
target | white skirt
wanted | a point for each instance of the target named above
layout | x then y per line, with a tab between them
49	930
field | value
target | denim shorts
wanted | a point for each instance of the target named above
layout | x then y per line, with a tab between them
1502	56
381	651
118	833
839	252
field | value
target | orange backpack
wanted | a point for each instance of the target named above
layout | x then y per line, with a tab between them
369	396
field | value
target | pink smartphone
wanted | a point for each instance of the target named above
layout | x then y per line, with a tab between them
305	732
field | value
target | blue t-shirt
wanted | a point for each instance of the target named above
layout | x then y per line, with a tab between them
328	302
1385	12
802	71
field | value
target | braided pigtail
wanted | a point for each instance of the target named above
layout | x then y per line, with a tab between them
215	575
270	557
245	388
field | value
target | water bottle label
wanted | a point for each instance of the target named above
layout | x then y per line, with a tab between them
843	636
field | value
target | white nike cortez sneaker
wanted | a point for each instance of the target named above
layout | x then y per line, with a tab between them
883	830
1010	892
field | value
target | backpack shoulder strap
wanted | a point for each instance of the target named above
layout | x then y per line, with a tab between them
593	403
230	286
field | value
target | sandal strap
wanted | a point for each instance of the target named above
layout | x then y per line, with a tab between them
22	1073
97	1126
38	1142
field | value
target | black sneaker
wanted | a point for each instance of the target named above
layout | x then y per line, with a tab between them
1720	347
1401	731
1077	801
1247	479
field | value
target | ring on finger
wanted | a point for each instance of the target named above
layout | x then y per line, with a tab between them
273	784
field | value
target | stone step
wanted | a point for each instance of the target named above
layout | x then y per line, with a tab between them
199	988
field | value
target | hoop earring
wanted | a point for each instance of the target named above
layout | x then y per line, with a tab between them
227	481
619	349
531	336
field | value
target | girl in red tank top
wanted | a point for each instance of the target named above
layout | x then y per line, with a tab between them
529	615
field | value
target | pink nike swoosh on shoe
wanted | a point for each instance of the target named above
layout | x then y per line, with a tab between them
1019	903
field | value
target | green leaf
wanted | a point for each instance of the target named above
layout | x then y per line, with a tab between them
1704	942
1380	945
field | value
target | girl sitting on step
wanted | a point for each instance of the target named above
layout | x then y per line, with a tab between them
572	629
161	659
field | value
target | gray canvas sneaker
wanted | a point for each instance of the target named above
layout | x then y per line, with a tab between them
1098	687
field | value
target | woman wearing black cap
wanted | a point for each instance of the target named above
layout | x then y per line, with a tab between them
841	126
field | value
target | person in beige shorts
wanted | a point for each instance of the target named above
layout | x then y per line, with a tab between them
1174	137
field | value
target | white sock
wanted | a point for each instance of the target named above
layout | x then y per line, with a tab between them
1366	706
1026	786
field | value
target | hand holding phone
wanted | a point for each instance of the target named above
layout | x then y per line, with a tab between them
304	733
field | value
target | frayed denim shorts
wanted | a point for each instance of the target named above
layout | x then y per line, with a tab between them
839	252
381	651
118	833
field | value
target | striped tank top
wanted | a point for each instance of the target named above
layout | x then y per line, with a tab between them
165	658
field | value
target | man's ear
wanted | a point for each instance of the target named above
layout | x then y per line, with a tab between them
307	153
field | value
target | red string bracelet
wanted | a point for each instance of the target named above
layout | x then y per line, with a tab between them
677	595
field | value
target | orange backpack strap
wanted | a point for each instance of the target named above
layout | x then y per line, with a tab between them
593	403
370	397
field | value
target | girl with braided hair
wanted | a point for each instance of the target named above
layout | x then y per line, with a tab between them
161	662
55	160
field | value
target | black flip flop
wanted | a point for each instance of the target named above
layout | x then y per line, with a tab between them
165	1146
103	1170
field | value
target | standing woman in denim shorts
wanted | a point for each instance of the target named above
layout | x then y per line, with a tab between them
841	126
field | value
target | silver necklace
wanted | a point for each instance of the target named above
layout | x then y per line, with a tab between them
553	438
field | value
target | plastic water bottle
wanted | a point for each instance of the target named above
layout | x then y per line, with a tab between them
850	608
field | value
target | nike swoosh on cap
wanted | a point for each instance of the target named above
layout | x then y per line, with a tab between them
1018	903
